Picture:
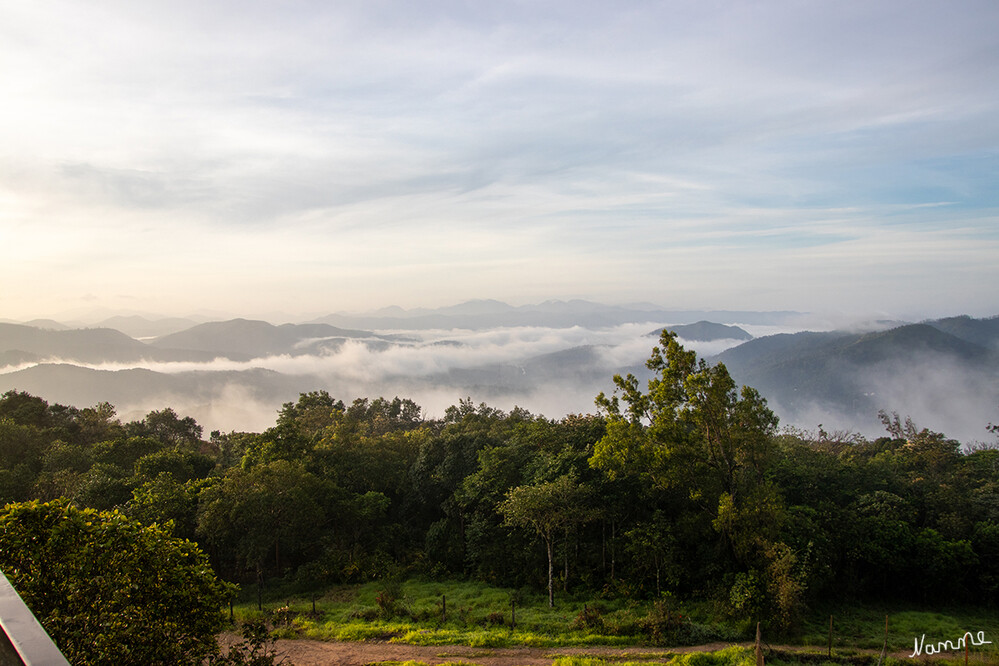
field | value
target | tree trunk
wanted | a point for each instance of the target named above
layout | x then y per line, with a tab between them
603	547
565	562
551	571
613	539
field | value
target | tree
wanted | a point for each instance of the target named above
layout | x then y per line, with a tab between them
692	434
166	501
548	508
310	415
166	426
108	589
269	509
691	420
98	424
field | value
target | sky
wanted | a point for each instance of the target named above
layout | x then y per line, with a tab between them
311	157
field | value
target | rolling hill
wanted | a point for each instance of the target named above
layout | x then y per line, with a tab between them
916	369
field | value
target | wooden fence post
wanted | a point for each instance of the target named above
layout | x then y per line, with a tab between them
759	649
830	637
884	647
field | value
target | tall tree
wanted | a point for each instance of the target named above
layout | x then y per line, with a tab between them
548	508
692	430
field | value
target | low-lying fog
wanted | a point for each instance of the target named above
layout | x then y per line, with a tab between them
548	371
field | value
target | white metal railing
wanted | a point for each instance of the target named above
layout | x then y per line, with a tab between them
26	636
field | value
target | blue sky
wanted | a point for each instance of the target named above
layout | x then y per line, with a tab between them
309	157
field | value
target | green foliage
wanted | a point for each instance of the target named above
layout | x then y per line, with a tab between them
253	514
181	465
103	487
548	508
108	589
731	656
681	486
164	500
20	444
256	648
167	427
387	599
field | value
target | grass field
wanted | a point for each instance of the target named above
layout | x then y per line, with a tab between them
425	612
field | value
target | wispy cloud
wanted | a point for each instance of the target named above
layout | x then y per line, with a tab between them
555	150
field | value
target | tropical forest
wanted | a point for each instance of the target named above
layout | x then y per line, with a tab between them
679	513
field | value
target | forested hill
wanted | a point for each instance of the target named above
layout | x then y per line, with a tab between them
689	488
243	338
706	331
851	376
984	332
20	343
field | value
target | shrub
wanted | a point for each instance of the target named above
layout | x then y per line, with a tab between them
495	619
256	649
109	589
662	624
388	601
591	617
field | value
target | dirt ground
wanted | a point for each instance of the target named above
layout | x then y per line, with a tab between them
304	652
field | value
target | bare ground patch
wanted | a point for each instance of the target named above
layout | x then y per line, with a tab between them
304	652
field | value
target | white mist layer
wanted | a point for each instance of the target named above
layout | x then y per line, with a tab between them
437	368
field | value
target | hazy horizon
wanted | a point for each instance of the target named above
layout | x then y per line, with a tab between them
804	319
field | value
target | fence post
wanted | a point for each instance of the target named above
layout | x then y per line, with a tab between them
443	608
759	649
513	616
884	648
830	636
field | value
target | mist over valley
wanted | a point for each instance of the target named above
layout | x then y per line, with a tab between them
551	359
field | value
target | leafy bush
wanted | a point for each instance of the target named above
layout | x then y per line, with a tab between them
665	625
495	619
256	649
388	599
591	617
109	589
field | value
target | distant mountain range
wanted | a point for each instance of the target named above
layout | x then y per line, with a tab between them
486	314
944	373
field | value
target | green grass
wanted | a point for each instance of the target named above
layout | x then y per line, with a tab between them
479	615
863	627
732	656
475	614
429	613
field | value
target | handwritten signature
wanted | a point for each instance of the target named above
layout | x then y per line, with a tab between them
961	644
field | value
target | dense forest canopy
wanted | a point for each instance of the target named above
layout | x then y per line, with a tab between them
684	486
